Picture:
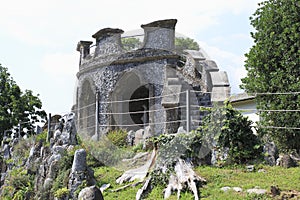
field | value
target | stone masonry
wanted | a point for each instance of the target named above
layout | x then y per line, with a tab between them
153	73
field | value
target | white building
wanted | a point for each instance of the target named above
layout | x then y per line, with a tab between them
246	105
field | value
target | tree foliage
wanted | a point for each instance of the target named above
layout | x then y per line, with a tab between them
17	106
131	43
273	67
180	44
185	43
226	128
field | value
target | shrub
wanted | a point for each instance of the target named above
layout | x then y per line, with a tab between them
18	184
106	152
229	129
61	192
118	137
61	181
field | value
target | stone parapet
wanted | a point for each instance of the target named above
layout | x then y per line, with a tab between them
84	48
108	41
160	34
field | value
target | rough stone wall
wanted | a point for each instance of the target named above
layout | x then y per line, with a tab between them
110	69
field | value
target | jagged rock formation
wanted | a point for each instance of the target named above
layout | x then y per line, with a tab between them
45	162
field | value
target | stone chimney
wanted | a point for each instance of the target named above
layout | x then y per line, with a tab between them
84	48
160	34
108	41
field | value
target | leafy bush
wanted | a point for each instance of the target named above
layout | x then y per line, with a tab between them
131	43
18	184
118	137
42	136
61	192
138	147
226	128
21	150
106	152
61	181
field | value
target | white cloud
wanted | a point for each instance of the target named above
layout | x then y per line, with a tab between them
59	24
36	22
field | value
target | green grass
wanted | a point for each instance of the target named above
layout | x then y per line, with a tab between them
286	179
105	175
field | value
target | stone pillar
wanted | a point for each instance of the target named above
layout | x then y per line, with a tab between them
160	34
84	48
78	172
171	99
108	41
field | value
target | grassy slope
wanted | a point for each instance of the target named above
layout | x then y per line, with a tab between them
286	179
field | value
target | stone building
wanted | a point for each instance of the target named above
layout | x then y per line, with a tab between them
145	87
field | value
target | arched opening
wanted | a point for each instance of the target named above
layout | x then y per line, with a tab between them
139	109
87	108
129	112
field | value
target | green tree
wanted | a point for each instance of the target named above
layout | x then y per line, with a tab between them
273	67
185	43
226	128
16	106
131	43
180	44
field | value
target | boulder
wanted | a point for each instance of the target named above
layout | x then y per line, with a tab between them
257	191
53	169
48	183
6	152
79	162
225	189
56	149
237	189
286	161
181	130
90	193
78	171
130	137
138	137
271	153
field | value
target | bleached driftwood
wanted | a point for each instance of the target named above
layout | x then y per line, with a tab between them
144	189
184	176
139	173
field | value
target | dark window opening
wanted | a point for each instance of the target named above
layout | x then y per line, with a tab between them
141	118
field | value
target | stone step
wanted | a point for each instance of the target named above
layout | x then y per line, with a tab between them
173	81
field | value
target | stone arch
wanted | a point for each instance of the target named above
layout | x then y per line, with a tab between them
129	87
86	108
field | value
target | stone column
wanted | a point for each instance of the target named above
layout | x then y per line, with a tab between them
160	34
84	48
108	41
171	99
78	172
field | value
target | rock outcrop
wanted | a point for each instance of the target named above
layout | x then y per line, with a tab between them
47	161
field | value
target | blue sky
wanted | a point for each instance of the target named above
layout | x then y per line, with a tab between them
38	37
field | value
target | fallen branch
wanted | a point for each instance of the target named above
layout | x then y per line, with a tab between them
184	176
126	186
138	173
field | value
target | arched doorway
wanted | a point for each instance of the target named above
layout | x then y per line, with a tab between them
139	109
128	111
86	109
